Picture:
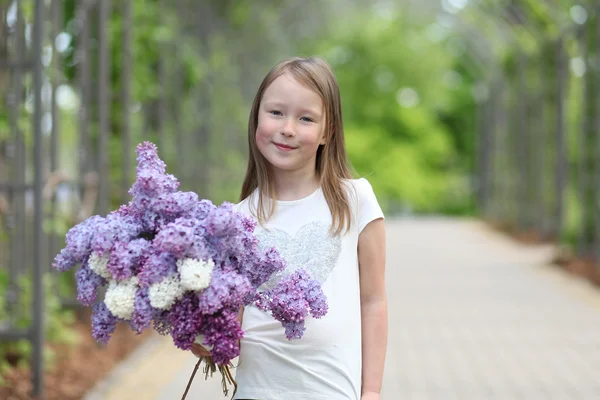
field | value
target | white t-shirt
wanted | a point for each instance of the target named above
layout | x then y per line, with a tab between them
326	363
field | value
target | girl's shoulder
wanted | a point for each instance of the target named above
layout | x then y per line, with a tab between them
364	201
248	205
242	205
358	187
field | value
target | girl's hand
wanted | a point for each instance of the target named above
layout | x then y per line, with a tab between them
370	396
200	351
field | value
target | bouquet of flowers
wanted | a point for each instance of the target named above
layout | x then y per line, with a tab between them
184	266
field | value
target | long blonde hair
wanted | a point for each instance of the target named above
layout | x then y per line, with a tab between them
332	162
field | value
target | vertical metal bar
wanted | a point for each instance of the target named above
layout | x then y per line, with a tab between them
103	107
512	152
56	73
561	156
162	82
596	182
83	81
17	259
583	144
204	104
491	143
499	191
521	142
540	182
482	134
179	86
38	270
486	127
57	21
126	99
178	124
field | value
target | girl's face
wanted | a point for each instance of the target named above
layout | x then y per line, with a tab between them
291	125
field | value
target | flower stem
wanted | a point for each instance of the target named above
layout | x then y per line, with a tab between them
187	389
209	369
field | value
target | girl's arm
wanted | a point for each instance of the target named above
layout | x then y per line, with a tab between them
371	258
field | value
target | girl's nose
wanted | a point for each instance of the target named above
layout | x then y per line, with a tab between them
288	129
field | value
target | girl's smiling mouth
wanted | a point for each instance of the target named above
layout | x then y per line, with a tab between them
284	147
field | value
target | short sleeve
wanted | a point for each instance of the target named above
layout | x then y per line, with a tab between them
368	206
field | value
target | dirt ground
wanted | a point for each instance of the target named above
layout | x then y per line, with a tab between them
77	368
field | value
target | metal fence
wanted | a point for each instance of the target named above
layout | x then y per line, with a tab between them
21	185
38	195
539	140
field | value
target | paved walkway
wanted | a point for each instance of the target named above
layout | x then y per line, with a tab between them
473	316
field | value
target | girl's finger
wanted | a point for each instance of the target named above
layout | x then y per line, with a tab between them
200	351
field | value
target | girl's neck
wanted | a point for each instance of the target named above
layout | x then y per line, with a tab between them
294	185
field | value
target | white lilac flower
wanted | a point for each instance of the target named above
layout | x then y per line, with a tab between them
163	294
195	274
120	297
98	264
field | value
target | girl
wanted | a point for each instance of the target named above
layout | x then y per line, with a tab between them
298	186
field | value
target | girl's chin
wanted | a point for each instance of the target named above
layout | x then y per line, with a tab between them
283	162
279	165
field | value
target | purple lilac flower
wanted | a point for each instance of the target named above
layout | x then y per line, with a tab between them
78	244
126	210
151	178
176	238
158	265
119	264
221	250
160	210
203	208
224	233
293	330
148	157
199	249
88	283
142	313
288	306
316	298
125	258
149	220
116	227
250	243
139	250
151	189
177	205
223	332
185	319
227	289
258	271
223	221
248	223
291	300
65	260
103	323
246	259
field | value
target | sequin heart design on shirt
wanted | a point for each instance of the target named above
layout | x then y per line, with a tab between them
312	248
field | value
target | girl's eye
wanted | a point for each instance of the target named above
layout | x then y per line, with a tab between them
307	119
275	112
